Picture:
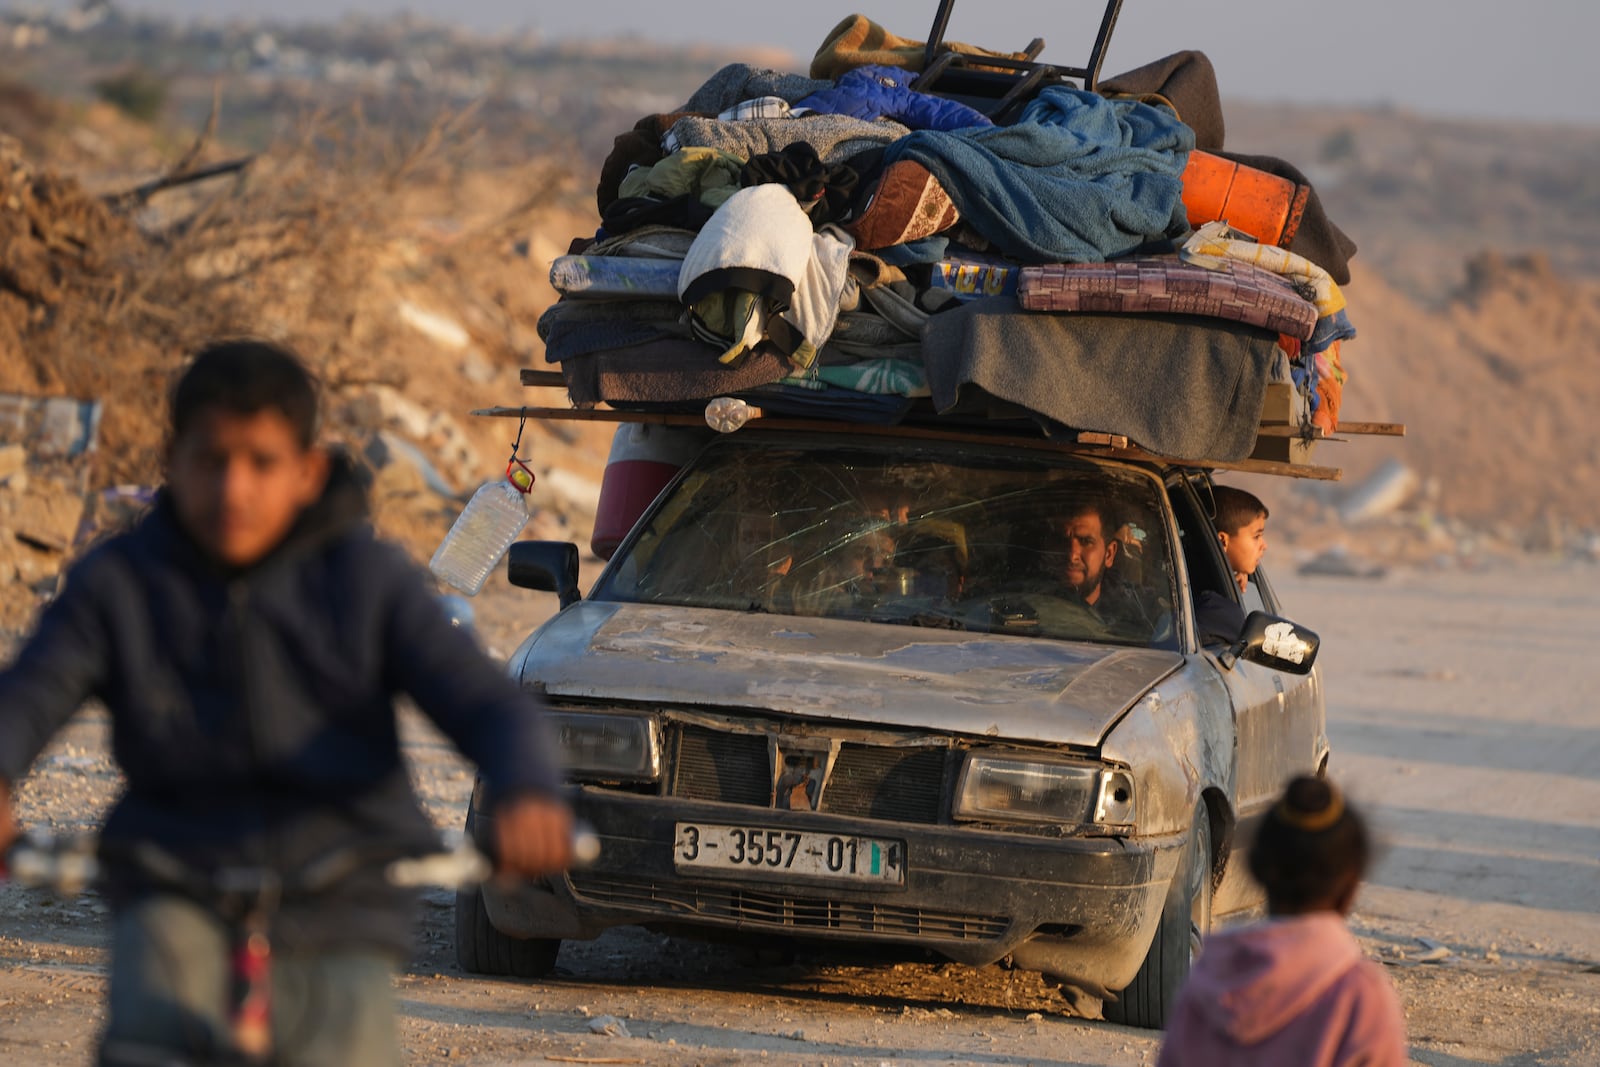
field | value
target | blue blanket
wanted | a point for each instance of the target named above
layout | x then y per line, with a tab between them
1078	178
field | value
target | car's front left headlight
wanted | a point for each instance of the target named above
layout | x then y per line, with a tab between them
1007	788
608	746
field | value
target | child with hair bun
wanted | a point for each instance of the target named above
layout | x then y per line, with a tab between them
1294	989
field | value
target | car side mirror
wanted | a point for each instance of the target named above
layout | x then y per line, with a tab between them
1275	643
548	566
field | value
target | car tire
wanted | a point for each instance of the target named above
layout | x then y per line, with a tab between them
481	949
1185	919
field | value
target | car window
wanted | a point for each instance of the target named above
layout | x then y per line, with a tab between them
978	539
1202	553
1207	568
1251	597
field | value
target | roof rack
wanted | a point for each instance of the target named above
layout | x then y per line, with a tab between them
1281	448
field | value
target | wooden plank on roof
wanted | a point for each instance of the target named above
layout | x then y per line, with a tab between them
858	429
1314	433
1380	429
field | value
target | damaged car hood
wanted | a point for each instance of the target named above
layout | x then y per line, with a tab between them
1020	688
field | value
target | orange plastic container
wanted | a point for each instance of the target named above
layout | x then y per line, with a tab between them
1251	201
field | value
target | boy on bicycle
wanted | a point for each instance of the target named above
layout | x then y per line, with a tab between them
248	637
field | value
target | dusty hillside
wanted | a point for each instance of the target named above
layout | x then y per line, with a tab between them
1498	391
1424	196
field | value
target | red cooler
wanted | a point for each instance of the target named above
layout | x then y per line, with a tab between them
644	458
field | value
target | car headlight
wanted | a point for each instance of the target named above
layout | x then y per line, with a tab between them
607	746
1070	794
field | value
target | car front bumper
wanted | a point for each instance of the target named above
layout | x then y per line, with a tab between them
1083	909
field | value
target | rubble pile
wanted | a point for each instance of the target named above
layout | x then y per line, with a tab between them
57	243
391	288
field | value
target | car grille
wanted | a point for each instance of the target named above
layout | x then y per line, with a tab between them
887	783
783	911
716	765
869	781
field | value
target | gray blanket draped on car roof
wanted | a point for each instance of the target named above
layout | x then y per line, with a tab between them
1182	387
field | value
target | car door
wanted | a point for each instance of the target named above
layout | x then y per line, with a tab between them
1305	726
1259	695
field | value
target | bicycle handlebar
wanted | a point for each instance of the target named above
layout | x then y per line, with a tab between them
69	866
466	865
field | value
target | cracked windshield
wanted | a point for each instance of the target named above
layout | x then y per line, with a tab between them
1040	546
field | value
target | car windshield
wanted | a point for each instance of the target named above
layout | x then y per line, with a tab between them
956	536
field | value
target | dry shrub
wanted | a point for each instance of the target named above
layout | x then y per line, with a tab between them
313	244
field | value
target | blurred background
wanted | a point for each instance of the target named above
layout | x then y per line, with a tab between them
383	186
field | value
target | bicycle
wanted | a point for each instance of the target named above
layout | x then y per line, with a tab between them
245	899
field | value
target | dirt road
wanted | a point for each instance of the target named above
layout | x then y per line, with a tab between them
1462	716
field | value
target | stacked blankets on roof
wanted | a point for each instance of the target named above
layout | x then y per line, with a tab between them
850	246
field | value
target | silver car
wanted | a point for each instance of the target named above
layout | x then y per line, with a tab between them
937	693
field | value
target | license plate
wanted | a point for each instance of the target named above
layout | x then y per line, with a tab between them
707	846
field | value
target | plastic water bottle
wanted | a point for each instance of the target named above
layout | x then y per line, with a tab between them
484	530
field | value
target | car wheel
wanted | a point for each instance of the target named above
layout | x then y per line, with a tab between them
1185	920
481	949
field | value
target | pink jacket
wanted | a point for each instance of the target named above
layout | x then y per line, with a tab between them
1289	992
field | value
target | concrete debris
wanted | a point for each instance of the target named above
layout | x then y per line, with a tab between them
1384	491
454	449
12	459
45	513
477	370
25	563
1337	562
457	458
578	493
434	326
386	450
609	1025
1433	951
386	406
51	426
400	484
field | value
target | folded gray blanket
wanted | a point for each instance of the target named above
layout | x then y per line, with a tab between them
738	82
1187	388
572	328
835	137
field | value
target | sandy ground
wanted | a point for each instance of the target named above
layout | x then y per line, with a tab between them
1460	718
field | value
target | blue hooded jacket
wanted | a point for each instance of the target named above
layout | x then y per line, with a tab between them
874	93
252	712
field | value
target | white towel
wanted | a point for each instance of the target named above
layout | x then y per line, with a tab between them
761	240
762	228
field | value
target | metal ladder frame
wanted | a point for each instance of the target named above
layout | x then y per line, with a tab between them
1000	85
